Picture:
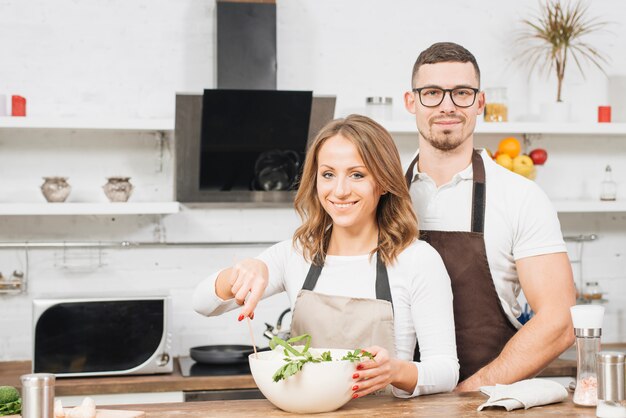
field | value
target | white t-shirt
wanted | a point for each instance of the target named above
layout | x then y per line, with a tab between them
520	221
420	290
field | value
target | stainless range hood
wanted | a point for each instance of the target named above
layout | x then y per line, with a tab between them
246	44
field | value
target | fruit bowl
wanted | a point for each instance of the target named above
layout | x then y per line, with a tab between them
318	387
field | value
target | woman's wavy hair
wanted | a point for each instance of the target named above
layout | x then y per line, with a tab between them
397	223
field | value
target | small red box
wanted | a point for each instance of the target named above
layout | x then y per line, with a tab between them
604	113
18	106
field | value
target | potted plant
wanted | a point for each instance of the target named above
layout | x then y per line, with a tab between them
555	36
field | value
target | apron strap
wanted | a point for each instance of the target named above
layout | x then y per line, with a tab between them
478	192
383	291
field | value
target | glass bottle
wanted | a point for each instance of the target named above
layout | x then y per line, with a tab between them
587	321
609	187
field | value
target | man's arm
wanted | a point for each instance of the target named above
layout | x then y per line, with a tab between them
548	285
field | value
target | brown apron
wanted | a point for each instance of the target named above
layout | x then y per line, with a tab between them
345	322
482	327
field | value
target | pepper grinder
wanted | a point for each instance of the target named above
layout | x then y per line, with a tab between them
587	321
611	392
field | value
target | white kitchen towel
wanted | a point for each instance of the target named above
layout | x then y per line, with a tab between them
524	394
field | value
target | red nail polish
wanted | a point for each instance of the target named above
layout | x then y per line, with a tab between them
355	387
355	376
359	367
355	396
240	317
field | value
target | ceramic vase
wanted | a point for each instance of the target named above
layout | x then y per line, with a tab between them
118	189
55	189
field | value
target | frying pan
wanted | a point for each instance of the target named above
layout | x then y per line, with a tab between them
221	354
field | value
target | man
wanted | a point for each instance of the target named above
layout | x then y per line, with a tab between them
495	230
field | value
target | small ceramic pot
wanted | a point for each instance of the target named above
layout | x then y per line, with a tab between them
55	189
118	189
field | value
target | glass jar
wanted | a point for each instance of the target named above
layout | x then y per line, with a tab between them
592	292
496	109
379	108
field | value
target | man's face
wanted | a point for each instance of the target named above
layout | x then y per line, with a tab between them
446	126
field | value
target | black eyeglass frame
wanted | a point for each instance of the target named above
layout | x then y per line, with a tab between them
449	91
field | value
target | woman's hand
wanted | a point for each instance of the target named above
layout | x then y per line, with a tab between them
373	375
246	282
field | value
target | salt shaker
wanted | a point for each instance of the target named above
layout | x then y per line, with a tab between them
38	395
611	394
587	321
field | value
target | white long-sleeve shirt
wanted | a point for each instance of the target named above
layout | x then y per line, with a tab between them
420	289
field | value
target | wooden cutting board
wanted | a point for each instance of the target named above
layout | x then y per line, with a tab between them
106	413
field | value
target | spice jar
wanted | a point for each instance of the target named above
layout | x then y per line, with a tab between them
37	395
496	109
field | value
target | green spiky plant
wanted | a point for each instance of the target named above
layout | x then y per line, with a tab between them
555	35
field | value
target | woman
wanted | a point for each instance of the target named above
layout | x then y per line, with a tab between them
355	272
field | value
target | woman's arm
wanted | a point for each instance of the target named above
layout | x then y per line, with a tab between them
258	277
433	319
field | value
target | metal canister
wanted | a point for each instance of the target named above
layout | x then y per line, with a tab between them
610	376
38	395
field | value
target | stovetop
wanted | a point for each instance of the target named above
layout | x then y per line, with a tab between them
188	368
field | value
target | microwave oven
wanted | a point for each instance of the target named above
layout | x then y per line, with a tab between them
102	336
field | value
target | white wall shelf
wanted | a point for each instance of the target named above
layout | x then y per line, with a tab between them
588	206
138	208
407	126
93	124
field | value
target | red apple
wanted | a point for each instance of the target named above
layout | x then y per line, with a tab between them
539	156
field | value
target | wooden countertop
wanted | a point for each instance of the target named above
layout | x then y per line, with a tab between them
441	405
175	382
11	371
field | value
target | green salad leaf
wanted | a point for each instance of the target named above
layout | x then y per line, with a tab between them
296	357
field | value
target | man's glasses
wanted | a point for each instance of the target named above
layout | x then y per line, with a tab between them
433	96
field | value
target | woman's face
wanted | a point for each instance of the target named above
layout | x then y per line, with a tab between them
345	187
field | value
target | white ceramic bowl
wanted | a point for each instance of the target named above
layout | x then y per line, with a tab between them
318	387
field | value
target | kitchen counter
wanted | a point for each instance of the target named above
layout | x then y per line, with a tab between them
442	405
11	371
175	382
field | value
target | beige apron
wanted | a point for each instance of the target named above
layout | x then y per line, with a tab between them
345	322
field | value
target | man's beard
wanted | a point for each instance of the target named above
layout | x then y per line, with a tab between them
446	140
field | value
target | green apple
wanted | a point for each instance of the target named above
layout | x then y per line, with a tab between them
523	165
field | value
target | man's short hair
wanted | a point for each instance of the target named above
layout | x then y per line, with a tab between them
444	52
